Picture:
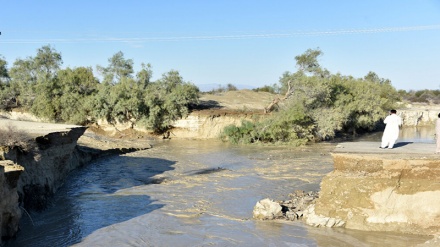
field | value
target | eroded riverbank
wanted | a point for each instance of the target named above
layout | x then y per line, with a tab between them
191	193
31	175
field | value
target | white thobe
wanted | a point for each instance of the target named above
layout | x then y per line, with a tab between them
437	135
391	133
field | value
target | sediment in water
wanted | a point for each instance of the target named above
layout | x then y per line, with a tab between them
28	179
371	189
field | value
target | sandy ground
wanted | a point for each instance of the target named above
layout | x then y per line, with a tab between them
35	128
242	100
102	142
89	139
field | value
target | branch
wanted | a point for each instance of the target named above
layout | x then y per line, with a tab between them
275	101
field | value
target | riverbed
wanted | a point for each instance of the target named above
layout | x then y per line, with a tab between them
195	193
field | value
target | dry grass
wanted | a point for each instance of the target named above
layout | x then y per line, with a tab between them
240	100
10	136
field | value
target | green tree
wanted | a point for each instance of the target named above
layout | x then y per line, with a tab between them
318	105
144	75
5	96
100	105
47	88
308	63
47	62
118	68
167	100
23	80
121	97
45	103
77	85
4	75
33	76
127	100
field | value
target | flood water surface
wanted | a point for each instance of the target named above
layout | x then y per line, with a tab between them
191	193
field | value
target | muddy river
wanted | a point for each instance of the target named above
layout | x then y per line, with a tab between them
195	193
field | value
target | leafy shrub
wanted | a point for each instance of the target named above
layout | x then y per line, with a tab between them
269	89
320	104
76	95
222	89
246	133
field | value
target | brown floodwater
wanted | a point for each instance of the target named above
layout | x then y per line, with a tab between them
195	193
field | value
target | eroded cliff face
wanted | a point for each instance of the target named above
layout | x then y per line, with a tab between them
207	126
419	114
10	212
197	125
383	193
45	167
28	179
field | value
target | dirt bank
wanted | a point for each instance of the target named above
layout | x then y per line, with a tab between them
372	189
28	178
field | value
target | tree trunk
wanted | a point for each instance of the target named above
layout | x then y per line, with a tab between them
274	102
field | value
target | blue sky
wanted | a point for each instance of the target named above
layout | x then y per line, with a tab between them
239	42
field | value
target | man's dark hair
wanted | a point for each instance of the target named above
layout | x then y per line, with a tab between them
439	115
393	111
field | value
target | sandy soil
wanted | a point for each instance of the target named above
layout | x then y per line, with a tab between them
242	101
104	142
89	139
35	128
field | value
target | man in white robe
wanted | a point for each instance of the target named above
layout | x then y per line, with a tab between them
391	133
437	134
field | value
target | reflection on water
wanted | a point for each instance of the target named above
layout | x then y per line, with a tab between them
418	134
192	193
423	134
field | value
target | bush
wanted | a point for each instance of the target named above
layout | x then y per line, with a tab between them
421	96
320	104
245	134
221	89
11	137
269	89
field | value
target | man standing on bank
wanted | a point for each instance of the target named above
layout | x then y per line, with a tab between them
437	134
391	133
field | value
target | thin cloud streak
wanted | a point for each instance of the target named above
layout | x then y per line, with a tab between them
222	37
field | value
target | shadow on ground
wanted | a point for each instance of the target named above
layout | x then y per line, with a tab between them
401	144
207	105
